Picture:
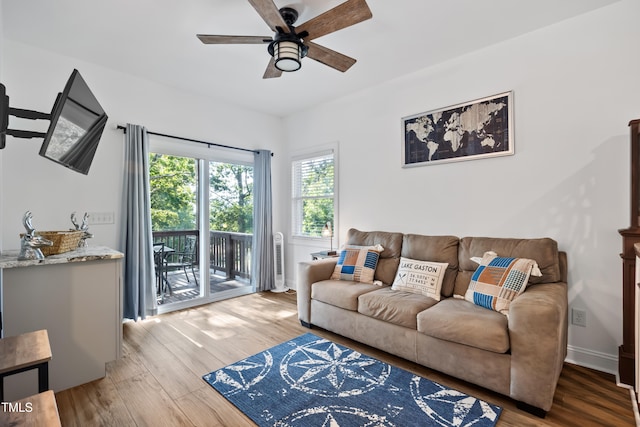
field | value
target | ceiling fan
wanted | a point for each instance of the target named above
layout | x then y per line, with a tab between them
292	43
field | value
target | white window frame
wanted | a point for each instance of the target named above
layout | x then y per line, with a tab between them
311	153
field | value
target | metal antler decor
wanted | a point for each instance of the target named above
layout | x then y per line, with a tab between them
30	243
84	227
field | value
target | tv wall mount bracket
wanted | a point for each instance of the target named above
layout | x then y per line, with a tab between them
6	111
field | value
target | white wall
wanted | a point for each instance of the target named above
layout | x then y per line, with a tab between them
34	77
575	89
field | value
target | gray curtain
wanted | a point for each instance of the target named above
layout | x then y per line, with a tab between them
262	272
136	239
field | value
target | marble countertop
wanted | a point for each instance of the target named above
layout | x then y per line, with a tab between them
9	259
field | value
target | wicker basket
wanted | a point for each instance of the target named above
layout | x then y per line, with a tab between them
63	241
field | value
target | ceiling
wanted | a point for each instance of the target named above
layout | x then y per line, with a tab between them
155	40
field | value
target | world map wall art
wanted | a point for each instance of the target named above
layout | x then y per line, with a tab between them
472	130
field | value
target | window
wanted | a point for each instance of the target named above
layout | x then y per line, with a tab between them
313	193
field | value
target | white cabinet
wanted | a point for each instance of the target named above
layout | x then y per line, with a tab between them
78	302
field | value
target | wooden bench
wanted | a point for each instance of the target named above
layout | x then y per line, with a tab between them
25	352
39	410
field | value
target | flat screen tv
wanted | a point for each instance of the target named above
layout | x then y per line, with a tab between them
77	123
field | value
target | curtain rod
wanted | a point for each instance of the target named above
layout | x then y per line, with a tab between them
207	143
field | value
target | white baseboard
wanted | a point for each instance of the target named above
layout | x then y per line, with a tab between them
593	359
634	405
605	363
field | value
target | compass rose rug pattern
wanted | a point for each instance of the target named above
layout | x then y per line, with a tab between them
310	381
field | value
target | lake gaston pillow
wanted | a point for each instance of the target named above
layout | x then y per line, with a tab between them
420	277
357	263
499	280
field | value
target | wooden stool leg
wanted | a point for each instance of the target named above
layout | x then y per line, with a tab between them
43	377
25	352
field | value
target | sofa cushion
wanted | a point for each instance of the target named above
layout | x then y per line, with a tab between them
420	277
398	307
357	263
499	280
389	257
462	322
544	251
340	293
437	249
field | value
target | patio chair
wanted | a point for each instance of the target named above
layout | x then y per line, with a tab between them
160	259
184	259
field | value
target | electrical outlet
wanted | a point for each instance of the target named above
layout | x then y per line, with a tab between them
578	317
99	218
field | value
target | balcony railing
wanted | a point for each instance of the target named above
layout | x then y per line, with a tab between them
229	253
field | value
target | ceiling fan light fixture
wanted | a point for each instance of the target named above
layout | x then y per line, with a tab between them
287	51
287	55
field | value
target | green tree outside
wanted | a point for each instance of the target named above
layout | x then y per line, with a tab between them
231	197
173	188
316	195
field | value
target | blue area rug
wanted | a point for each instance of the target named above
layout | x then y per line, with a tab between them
310	381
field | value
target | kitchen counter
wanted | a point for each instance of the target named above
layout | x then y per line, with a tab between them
9	259
76	296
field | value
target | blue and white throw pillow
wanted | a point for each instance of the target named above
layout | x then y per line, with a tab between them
357	263
499	280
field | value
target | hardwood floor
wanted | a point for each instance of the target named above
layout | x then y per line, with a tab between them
158	380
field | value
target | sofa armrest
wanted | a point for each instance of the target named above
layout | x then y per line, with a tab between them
310	272
538	333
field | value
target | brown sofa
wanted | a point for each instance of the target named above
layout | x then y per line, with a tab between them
519	355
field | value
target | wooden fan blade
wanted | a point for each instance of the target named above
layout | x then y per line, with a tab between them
212	39
342	16
272	72
329	57
270	14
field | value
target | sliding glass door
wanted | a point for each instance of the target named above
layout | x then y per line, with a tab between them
175	218
231	226
202	221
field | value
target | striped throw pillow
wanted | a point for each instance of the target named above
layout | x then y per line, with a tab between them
498	281
357	263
